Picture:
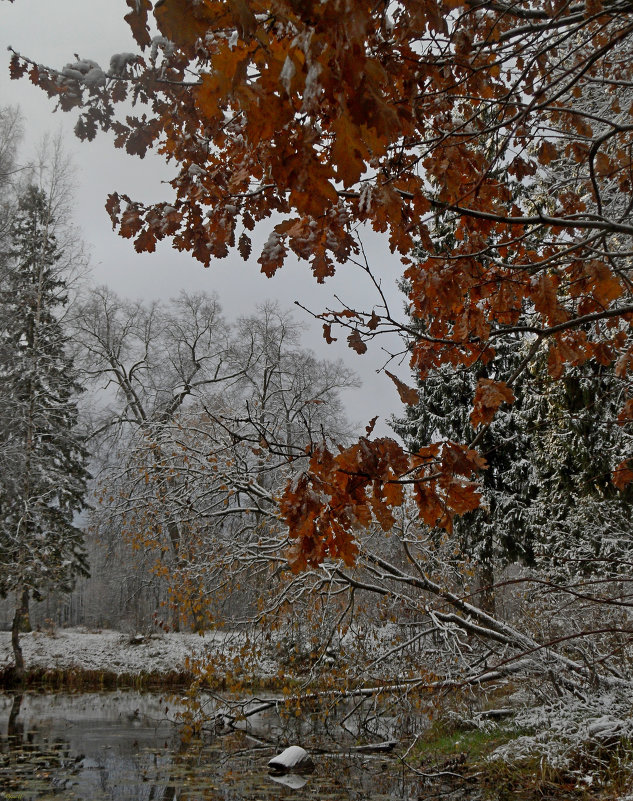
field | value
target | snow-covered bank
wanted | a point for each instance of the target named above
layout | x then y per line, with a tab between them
108	650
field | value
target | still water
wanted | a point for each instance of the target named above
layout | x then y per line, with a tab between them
124	746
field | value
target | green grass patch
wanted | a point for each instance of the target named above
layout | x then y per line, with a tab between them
446	740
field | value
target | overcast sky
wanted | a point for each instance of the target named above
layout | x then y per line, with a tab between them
51	32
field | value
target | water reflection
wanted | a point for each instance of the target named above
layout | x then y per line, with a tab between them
125	747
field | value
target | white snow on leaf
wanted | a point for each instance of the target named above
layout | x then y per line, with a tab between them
274	248
95	77
119	62
86	72
287	74
163	43
194	170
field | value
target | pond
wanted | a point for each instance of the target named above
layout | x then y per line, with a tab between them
125	746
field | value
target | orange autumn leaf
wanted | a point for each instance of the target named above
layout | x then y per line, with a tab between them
407	394
369	428
393	493
547	153
348	151
623	475
181	23
356	343
543	292
462	498
137	19
603	164
489	396
626	413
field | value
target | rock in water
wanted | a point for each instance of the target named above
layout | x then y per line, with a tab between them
293	759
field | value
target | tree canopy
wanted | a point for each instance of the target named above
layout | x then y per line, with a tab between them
511	121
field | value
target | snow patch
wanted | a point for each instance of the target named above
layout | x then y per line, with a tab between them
293	758
85	72
111	650
119	62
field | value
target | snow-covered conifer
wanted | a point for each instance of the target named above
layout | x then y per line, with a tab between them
581	522
43	478
498	532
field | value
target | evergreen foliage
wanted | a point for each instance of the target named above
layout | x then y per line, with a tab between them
499	532
548	494
44	476
581	521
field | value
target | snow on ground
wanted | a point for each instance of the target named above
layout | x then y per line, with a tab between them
111	650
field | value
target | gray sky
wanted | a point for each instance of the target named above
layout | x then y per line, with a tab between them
51	33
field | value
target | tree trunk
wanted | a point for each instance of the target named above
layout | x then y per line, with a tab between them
485	598
21	623
174	537
24	613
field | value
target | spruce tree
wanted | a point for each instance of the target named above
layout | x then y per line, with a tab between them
549	499
581	521
44	476
499	532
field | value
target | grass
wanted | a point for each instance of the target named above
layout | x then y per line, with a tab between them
596	773
446	740
465	750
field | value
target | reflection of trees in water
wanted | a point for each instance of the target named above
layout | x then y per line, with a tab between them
233	767
134	758
15	728
36	761
29	766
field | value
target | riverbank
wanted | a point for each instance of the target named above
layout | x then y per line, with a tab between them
79	657
565	748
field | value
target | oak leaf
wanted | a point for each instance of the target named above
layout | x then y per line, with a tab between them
370	426
407	394
356	342
623	475
180	23
462	498
626	413
137	20
348	151
605	285
145	242
545	297
547	153
327	333
489	396
17	67
602	163
245	246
